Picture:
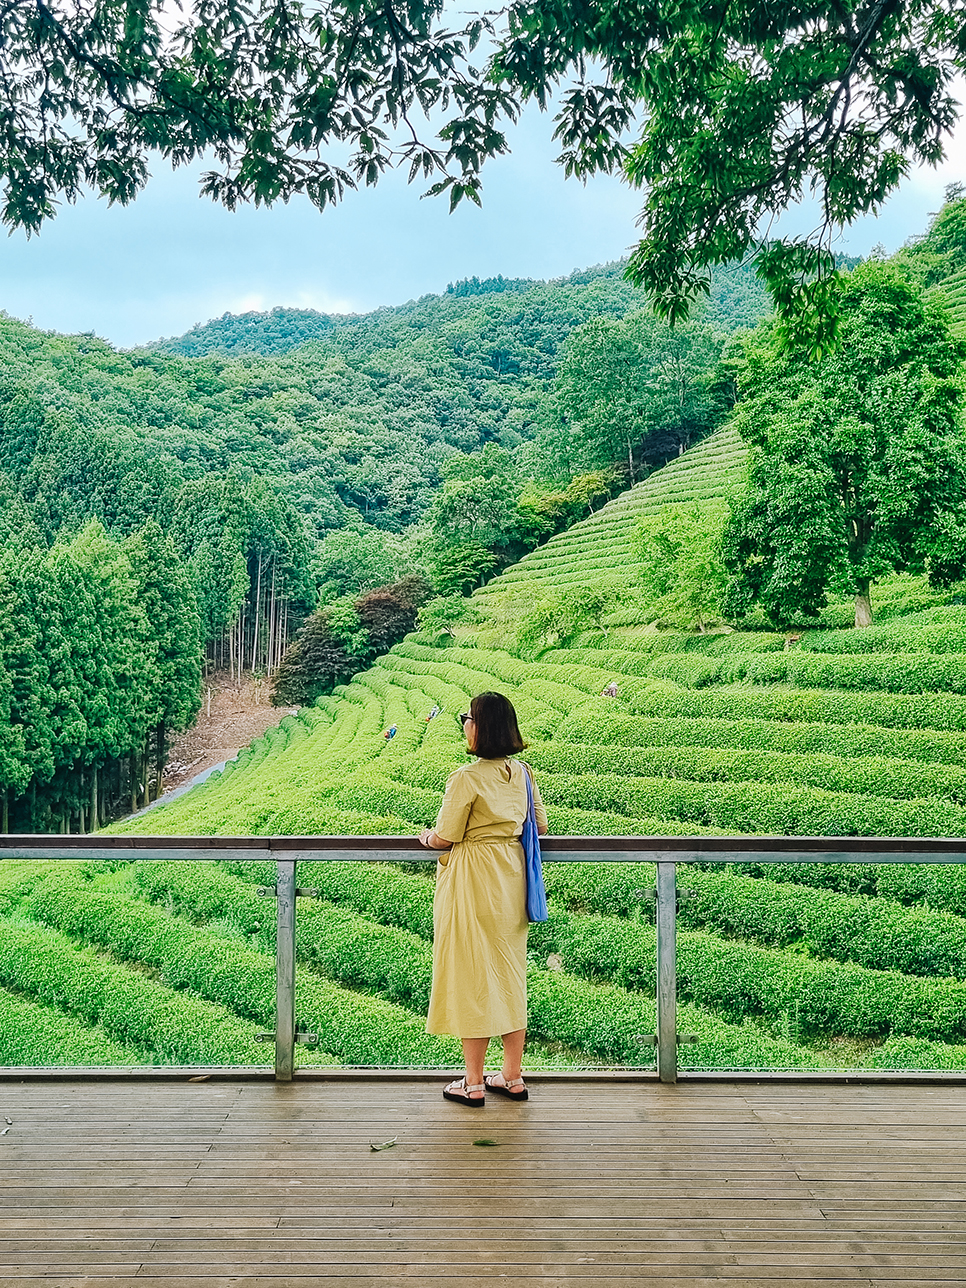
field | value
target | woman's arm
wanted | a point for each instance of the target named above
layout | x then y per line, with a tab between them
433	841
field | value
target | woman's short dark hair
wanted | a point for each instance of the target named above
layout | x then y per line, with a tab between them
497	731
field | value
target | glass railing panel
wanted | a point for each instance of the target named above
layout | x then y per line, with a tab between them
785	956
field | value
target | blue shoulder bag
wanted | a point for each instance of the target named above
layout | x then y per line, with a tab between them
530	840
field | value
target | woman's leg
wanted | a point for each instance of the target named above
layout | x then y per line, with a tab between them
474	1053
513	1044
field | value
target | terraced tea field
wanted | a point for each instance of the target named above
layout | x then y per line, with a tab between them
841	733
953	294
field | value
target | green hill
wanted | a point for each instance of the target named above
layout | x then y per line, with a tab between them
846	733
493	327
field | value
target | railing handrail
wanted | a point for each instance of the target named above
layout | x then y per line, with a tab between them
559	849
665	852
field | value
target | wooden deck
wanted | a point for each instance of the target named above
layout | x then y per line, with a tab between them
206	1185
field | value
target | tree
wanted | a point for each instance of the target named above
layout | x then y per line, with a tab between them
636	389
560	507
340	638
560	618
440	616
389	613
738	110
682	573
314	663
858	462
458	569
19	697
357	558
477	520
112	650
167	594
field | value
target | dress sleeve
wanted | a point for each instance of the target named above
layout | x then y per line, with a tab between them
455	809
539	809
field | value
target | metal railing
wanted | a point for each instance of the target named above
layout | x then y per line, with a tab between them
666	852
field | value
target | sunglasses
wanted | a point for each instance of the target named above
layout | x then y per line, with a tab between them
464	716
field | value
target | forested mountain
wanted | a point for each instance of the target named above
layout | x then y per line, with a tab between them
357	424
495	326
262	471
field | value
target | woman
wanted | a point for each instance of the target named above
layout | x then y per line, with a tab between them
480	912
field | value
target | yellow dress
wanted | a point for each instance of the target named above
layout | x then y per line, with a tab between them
480	907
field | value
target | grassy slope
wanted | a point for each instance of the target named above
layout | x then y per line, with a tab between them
850	733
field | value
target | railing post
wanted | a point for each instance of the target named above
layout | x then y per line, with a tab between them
667	976
285	971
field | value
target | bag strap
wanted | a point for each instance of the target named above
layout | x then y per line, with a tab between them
531	806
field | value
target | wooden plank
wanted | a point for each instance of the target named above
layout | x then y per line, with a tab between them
363	1276
255	1185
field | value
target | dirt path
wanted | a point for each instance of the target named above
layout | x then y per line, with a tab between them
239	713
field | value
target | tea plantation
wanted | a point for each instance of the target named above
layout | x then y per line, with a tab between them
830	731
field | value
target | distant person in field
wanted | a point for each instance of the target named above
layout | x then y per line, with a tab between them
390	733
610	690
480	908
433	714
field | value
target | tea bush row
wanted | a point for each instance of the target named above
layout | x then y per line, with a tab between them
391	954
451	697
386	960
915	673
32	1034
941	886
914	1053
871	775
937	673
899	711
602	1021
502	666
585	822
356	1028
429	777
286	783
892	637
875	932
599	722
18	877
387	893
778	809
552	697
129	1007
607	1021
588	679
739	981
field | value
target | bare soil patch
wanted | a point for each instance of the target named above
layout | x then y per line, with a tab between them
237	713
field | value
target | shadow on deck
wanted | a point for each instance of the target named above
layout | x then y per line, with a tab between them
257	1185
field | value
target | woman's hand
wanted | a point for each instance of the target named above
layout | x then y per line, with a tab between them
431	841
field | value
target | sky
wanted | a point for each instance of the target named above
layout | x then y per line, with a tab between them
172	258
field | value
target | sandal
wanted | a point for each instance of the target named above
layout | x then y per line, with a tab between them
459	1092
505	1088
